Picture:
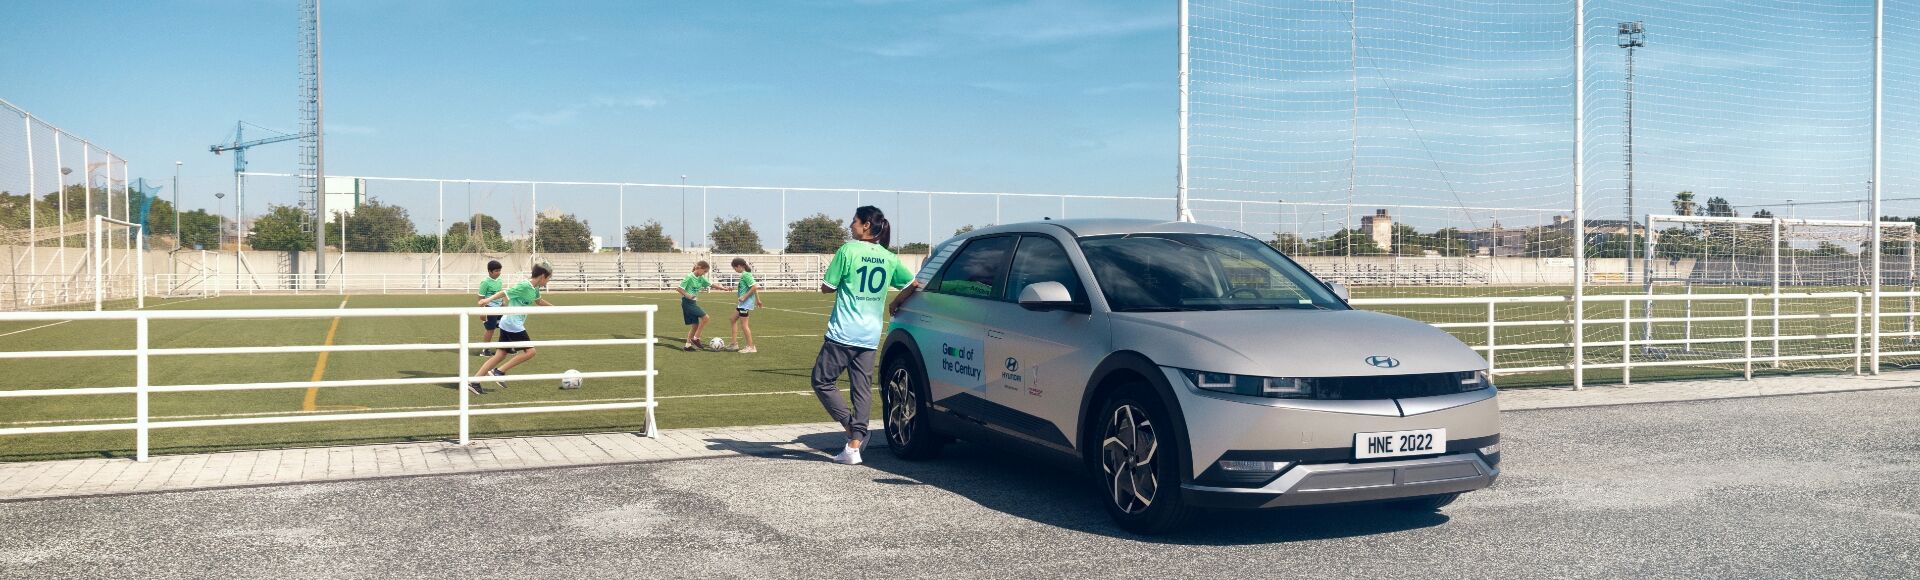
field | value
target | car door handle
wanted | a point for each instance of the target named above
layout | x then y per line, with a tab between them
996	334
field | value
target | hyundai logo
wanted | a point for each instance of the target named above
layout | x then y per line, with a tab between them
1013	365
1382	361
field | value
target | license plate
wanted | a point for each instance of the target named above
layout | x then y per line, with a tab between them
1399	443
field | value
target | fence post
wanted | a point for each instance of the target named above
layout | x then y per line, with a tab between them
1626	342
1686	336
1776	292
1859	310
140	383
1490	342
1747	344
465	377
653	431
99	289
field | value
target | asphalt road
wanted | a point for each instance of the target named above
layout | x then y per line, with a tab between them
1814	486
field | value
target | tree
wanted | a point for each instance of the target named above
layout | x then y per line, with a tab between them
649	237
735	235
199	230
280	229
1683	203
1719	207
373	227
816	234
1346	242
487	224
1763	214
914	248
564	235
1289	244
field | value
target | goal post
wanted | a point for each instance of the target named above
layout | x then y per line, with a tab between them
1777	256
100	247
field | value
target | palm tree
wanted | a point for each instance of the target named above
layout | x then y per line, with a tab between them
1683	203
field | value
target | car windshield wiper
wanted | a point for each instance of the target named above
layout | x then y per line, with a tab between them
1279	307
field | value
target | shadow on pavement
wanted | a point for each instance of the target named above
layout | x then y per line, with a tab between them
1050	494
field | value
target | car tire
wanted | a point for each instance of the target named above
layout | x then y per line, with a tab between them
1431	503
904	405
1137	463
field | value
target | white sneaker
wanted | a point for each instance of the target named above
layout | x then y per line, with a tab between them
848	456
749	350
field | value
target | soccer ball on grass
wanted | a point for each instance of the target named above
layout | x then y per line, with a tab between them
716	344
571	380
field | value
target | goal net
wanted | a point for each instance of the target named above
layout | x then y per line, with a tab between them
74	266
1816	264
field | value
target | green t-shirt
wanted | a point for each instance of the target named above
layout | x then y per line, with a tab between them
860	274
740	291
695	284
488	287
522	294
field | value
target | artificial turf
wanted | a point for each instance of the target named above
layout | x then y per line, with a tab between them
696	389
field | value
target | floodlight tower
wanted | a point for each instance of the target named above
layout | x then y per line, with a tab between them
1631	36
312	145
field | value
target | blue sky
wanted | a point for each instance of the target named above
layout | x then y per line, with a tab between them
1070	95
1460	104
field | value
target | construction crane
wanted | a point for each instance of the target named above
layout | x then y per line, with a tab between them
239	147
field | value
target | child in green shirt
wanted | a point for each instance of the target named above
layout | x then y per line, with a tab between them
746	298
489	286
513	327
690	311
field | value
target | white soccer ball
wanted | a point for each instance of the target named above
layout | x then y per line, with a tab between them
717	344
571	380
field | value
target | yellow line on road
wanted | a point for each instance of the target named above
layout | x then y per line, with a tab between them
320	366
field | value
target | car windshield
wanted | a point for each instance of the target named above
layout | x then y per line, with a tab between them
1185	272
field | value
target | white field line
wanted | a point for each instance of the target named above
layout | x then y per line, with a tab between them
36	328
415	408
50	325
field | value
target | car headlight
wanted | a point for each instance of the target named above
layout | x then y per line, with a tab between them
1274	387
1478	380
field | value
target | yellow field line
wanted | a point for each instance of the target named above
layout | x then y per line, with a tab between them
320	366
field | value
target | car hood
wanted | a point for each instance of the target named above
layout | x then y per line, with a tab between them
1292	343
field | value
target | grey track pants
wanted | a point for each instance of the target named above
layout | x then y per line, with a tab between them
858	365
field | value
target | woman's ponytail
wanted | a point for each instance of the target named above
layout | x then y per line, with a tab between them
876	224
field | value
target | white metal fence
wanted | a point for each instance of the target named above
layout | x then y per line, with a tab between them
142	353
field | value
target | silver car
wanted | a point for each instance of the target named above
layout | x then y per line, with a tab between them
1186	367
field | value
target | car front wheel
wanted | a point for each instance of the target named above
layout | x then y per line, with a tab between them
903	398
1139	468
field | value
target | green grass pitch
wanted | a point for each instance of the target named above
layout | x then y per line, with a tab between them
696	389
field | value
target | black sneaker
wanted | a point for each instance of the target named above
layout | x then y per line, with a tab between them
475	389
486	352
498	373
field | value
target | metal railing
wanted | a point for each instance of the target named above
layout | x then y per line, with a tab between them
142	352
1850	319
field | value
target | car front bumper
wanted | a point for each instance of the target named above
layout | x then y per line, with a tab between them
1330	483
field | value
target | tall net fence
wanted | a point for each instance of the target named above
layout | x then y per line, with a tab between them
52	183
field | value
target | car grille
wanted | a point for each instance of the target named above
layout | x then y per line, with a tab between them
1391	386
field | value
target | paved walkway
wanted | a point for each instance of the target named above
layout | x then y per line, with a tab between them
83	477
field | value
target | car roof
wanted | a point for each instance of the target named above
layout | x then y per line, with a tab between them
1081	228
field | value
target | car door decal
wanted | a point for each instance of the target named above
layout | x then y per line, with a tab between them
956	360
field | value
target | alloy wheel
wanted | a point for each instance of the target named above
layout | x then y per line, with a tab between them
902	408
1127	454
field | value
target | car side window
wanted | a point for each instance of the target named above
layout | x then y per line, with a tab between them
979	270
1041	259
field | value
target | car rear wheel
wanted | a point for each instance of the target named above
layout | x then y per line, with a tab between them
903	397
1138	465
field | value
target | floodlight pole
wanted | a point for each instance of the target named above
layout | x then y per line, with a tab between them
178	240
1879	24
1182	211
1631	35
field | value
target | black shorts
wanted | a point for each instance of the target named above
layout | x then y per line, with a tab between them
511	336
742	312
491	322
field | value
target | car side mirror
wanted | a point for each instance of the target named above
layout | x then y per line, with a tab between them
1341	291
1046	296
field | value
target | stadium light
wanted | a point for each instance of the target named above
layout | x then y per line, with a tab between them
1631	36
